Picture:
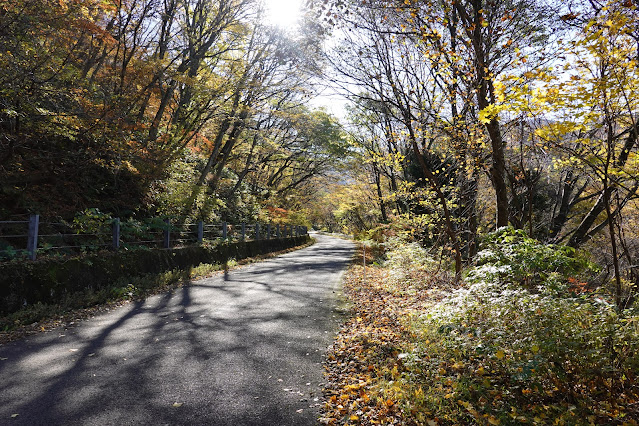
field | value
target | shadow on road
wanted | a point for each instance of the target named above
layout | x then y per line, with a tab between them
242	348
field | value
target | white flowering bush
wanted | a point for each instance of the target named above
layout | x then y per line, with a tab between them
509	256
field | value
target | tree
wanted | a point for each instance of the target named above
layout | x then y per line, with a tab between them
593	128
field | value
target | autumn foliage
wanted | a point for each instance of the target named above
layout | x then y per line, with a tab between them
425	352
189	108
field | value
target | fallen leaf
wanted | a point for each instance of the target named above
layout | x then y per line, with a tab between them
500	354
13	416
177	404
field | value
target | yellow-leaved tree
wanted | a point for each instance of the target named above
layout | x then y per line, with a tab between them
586	106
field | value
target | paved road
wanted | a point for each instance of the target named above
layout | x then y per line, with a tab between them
240	349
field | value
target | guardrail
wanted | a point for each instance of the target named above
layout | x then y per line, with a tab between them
64	239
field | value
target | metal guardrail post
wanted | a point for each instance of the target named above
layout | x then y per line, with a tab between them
32	240
167	234
277	231
200	231
224	230
115	227
257	232
243	231
268	231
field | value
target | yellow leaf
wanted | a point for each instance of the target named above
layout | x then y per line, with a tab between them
177	404
535	348
500	354
354	417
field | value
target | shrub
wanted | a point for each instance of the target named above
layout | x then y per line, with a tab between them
523	349
498	351
511	257
407	260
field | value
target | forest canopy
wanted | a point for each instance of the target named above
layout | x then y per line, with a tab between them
187	108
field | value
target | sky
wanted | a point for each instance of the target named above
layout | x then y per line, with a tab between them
283	13
286	14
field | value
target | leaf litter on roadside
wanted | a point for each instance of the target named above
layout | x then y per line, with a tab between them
367	349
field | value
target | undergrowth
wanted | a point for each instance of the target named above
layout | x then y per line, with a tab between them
522	341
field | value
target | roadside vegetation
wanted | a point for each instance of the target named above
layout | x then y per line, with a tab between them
78	306
520	340
496	182
183	109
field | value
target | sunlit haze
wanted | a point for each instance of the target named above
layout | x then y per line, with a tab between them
283	13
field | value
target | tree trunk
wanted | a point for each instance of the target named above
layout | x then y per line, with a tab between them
484	88
380	197
450	226
581	233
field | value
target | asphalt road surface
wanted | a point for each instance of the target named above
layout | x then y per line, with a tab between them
243	348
